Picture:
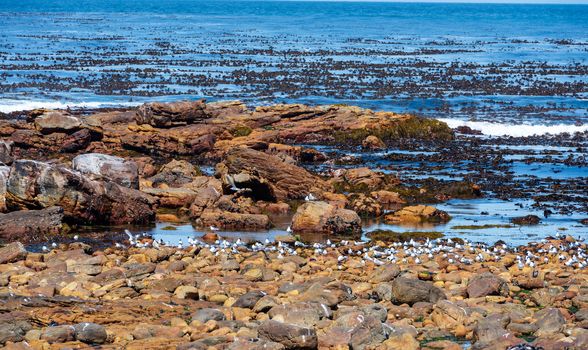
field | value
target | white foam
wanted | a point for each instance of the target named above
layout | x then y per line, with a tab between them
516	130
12	105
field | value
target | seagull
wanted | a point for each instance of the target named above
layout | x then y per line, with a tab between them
44	248
54	245
289	229
213	228
76	237
310	197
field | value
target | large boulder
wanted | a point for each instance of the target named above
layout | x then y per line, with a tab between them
288	180
31	225
57	121
166	115
326	218
103	166
35	185
418	214
411	291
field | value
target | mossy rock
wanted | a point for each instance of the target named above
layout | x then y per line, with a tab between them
241	130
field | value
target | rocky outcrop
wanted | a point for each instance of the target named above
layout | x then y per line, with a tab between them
417	214
34	185
166	115
57	121
326	218
31	225
287	181
103	166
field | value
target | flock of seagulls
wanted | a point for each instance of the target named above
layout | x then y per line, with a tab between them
569	253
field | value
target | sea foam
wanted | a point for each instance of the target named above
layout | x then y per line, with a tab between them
13	105
516	130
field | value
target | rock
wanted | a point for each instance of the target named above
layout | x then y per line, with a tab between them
172	197
90	333
77	141
186	292
290	182
175	174
34	184
410	291
487	284
57	121
584	221
363	179
491	328
289	335
324	217
166	115
373	143
5	152
4	173
13	331
365	206
58	334
387	197
466	130
526	220
549	322
116	169
12	252
249	185
249	299
225	219
31	225
207	314
418	214
401	340
385	273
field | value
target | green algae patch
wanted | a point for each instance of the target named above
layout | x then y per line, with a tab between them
393	236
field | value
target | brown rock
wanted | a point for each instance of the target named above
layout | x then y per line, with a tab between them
102	166
418	214
324	217
57	121
410	291
165	115
289	335
373	143
12	252
225	219
487	284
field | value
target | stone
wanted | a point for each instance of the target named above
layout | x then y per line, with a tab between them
486	284
57	121
186	292
324	217
289	183
289	335
526	220
226	219
4	173
34	184
411	291
90	333
166	115
31	225
116	169
549	322
175	174
385	273
5	152
249	299
361	179
12	252
418	214
58	334
373	143
206	314
13	331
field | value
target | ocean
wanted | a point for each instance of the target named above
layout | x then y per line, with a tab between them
489	66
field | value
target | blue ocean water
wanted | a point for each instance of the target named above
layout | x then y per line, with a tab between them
483	63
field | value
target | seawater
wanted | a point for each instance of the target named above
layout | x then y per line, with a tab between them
99	53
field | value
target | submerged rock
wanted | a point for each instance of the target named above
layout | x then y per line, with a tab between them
526	220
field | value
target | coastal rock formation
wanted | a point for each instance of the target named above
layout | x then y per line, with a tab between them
326	218
290	182
103	166
34	185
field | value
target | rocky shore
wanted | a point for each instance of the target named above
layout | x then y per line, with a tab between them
349	295
226	166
